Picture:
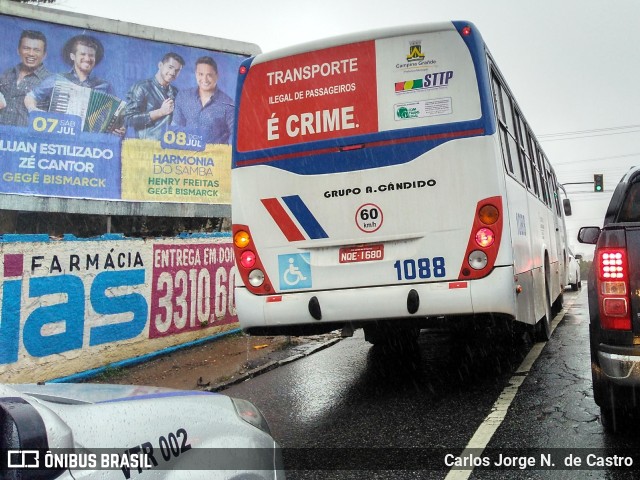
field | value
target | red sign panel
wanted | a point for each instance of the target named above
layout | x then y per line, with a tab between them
329	93
192	288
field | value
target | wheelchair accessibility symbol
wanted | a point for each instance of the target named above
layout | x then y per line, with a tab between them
295	271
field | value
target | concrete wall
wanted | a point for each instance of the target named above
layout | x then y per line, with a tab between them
73	305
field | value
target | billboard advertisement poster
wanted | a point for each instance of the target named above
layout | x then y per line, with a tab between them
94	115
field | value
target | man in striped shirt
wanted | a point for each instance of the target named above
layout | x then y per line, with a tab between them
17	81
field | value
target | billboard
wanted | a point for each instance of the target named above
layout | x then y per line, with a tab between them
92	115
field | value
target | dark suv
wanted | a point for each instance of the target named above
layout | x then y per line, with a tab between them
614	304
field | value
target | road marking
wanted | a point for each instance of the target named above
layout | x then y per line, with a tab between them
488	427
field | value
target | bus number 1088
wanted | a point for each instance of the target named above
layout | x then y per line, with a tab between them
421	268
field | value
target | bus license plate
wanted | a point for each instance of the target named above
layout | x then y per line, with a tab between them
365	253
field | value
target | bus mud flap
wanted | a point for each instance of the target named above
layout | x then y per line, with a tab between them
413	301
314	308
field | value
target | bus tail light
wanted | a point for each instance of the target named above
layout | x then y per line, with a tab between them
613	294
247	259
484	240
241	238
478	260
249	265
256	278
485	237
489	214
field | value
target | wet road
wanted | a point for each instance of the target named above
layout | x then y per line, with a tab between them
354	407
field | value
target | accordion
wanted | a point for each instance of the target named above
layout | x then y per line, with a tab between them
99	111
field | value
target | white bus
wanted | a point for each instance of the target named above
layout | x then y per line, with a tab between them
386	178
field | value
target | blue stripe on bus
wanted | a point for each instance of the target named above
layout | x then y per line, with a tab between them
305	217
380	149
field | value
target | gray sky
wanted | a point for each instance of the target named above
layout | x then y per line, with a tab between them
573	65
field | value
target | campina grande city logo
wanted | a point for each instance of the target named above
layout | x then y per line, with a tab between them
415	51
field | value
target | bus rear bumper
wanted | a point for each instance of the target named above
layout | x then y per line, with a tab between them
492	294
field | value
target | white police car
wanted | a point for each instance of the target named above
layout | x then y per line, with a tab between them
89	431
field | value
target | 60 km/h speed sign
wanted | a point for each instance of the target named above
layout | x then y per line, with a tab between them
369	218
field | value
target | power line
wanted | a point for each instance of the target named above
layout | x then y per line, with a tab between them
595	130
597	159
586	136
591	195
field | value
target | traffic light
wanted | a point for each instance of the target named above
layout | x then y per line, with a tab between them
597	183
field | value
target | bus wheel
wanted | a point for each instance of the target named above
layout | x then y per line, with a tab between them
557	305
393	337
373	334
542	330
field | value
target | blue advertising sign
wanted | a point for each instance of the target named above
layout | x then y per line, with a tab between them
87	114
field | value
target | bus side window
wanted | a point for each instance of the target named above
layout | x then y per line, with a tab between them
543	179
497	102
522	140
535	168
511	137
502	123
547	175
556	197
532	162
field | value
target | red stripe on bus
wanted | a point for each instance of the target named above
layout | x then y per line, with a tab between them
381	143
290	230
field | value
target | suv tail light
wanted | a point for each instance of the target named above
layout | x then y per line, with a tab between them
484	240
613	290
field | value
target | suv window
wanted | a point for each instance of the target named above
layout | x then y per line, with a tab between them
630	211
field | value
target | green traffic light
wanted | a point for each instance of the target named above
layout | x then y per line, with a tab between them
598	180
